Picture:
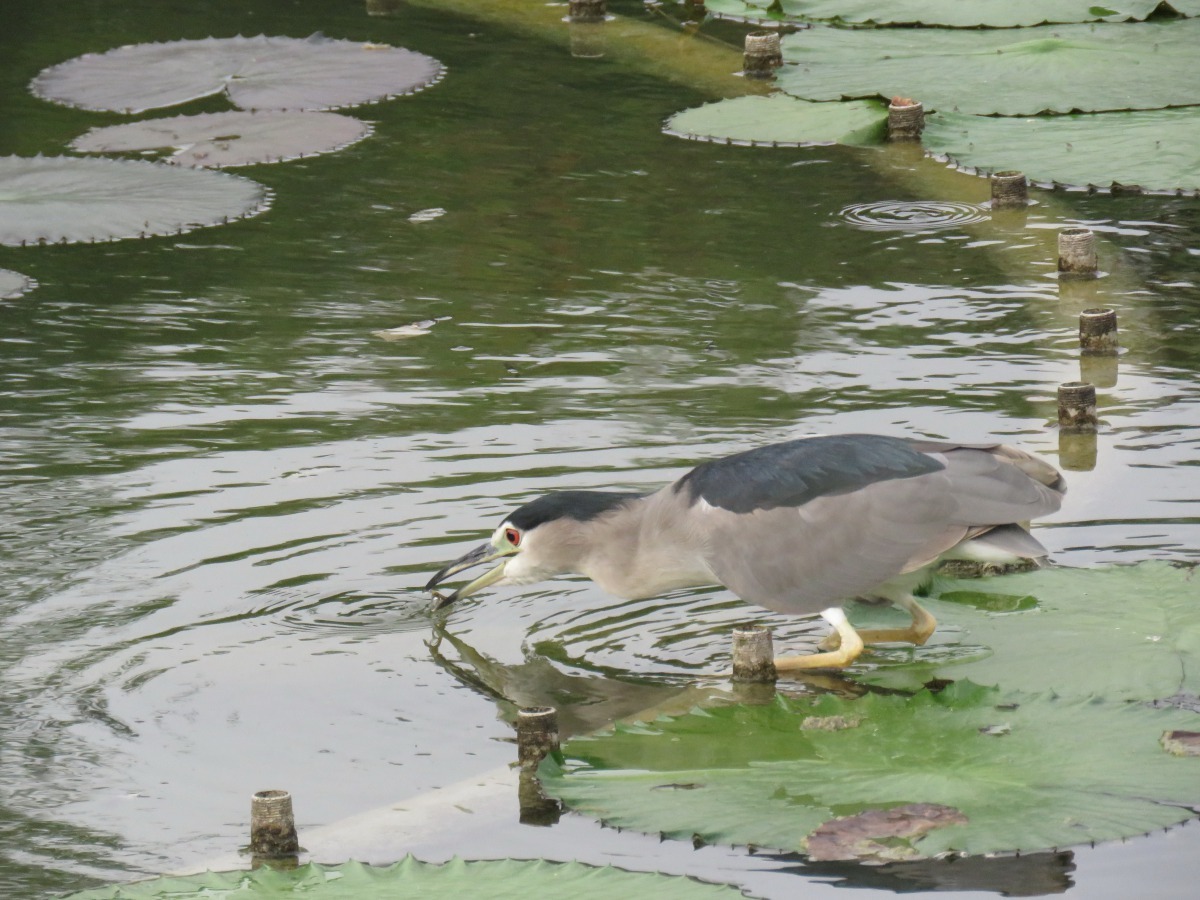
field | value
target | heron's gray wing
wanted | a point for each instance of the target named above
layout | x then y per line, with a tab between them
795	472
805	558
850	533
999	485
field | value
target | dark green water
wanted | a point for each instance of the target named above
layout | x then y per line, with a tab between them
222	493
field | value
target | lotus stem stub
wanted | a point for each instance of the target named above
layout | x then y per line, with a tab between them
1077	253
762	55
587	10
1010	190
906	119
272	825
1098	331
753	655
1077	406
537	735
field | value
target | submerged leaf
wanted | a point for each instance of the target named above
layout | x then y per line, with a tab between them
1013	73
14	284
504	878
949	13
64	199
215	140
1155	149
778	119
261	73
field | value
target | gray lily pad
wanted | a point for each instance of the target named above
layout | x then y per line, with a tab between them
1155	149
782	120
260	73
1065	772
14	284
1145	65
216	140
457	878
945	13
66	199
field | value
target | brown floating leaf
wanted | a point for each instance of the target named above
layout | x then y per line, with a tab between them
63	199
216	140
1181	743
278	73
880	835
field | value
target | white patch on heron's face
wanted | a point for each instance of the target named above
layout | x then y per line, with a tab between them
499	541
704	506
533	559
521	570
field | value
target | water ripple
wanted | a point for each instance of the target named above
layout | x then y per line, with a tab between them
912	215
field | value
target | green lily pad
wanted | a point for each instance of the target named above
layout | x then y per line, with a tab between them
1131	633
14	284
216	140
761	13
781	120
60	199
1063	749
1146	65
506	878
945	13
1155	149
1006	771
257	73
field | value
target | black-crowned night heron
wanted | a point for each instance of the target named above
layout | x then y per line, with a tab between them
798	527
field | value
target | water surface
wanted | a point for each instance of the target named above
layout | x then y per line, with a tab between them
223	492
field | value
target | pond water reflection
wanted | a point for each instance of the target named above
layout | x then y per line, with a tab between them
223	493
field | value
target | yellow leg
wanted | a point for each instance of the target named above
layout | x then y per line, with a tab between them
923	625
848	647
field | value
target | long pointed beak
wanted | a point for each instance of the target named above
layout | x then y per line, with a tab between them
484	553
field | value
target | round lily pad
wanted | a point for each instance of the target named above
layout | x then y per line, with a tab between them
781	120
1059	68
505	878
976	770
1132	633
65	199
945	13
260	73
1154	149
215	140
14	284
1050	755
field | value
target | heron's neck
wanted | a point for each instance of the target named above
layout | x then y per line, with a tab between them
643	548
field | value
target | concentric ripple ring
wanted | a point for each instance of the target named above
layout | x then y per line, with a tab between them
912	215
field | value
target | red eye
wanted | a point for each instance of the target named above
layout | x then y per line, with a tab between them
512	536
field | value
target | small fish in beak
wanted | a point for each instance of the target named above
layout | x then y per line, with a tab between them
484	553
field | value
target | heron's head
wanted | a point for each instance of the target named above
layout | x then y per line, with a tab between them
537	541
